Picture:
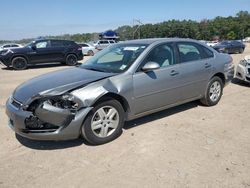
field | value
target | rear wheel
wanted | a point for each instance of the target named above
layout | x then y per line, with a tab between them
71	60
104	123
214	92
241	50
19	63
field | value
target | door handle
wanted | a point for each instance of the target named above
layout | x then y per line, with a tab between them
207	65
173	73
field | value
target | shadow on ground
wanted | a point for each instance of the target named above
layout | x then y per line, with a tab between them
240	82
54	145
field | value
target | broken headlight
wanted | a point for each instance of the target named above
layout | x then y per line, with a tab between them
66	101
243	63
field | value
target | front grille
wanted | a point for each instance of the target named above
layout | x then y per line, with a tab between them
16	103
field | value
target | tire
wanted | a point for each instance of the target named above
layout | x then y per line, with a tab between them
71	60
19	63
241	50
214	92
101	127
90	53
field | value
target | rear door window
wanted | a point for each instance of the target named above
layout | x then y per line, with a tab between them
189	52
56	43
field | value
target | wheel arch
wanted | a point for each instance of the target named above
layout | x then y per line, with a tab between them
23	56
117	97
221	76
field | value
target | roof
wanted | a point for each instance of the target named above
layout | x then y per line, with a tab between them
152	40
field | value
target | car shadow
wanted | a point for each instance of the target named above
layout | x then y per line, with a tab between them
49	145
55	145
160	115
240	82
41	66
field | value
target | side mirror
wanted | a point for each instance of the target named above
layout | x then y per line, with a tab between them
33	47
150	66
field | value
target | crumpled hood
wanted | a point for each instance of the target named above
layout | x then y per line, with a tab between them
57	82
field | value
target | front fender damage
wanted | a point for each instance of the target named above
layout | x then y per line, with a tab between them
54	115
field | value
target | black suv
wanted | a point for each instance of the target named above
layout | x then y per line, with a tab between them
42	51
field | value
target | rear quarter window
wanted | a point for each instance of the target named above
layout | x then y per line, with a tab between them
207	53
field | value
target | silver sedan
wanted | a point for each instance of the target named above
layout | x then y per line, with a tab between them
123	82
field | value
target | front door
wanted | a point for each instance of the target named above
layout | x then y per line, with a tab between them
41	53
158	88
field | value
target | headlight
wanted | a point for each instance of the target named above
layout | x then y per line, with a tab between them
243	63
66	101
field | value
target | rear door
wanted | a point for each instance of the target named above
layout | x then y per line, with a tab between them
57	50
195	69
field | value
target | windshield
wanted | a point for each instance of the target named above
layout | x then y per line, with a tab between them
29	44
116	58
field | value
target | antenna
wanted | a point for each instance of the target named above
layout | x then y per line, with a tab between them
138	23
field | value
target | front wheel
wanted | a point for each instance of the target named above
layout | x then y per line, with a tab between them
104	123
71	60
19	63
214	92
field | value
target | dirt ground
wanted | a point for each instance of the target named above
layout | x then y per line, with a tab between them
186	146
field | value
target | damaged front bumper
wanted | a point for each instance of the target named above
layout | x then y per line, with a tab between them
243	72
47	123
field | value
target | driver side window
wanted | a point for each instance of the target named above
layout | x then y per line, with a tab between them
162	54
43	44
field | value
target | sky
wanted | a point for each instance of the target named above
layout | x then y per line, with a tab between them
33	18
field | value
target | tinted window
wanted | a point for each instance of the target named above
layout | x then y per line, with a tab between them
112	42
104	42
188	52
163	55
6	46
207	53
68	43
56	43
14	45
43	44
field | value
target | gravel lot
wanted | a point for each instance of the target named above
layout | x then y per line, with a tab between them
186	146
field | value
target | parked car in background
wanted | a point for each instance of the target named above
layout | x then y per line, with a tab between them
101	44
212	43
122	82
10	46
88	49
243	69
233	46
247	39
42	51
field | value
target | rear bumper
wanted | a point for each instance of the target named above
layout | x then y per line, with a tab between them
243	73
17	118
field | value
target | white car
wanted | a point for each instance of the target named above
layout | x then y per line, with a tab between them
88	49
101	44
10	46
212	43
243	69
